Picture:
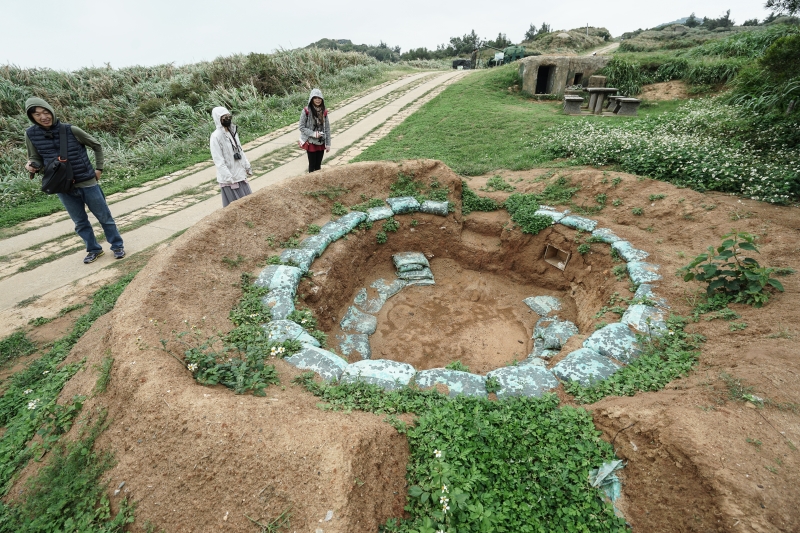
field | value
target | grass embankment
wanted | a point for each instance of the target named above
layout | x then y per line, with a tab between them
66	494
156	120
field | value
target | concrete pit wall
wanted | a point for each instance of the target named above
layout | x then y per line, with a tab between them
561	73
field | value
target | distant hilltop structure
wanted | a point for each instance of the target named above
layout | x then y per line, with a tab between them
553	74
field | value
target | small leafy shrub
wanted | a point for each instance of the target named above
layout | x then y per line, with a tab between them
616	202
472	202
338	209
303	317
16	345
457	365
601	198
638	211
368	204
274	260
391	225
728	273
312	229
654	197
584	249
620	271
559	192
492	385
497	183
522	208
381	237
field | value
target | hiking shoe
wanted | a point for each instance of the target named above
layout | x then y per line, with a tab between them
91	257
119	254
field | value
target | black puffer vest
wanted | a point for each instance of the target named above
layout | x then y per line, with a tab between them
47	143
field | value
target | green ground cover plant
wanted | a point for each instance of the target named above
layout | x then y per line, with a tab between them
28	407
155	120
515	465
14	346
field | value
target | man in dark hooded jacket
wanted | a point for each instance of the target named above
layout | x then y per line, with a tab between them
43	143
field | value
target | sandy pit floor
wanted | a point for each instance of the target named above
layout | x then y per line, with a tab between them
203	459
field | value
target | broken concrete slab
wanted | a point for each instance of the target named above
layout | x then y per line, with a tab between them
543	305
456	381
523	380
614	340
628	252
645	318
356	321
302	257
285	330
279	277
327	364
435	208
403	204
606	235
585	366
577	222
383	212
355	343
387	374
640	272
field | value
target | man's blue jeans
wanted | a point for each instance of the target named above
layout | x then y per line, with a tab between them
76	202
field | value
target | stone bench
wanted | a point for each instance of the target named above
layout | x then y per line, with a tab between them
572	105
628	106
613	103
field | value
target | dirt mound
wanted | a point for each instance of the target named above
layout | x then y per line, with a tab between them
202	458
668	90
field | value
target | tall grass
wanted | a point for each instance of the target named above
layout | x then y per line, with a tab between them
751	44
150	118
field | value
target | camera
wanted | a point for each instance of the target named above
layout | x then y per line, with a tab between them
237	155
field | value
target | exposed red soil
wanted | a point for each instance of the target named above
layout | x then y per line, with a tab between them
204	459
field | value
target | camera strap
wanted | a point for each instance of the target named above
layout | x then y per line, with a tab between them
231	135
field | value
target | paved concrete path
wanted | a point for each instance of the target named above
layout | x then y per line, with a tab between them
69	269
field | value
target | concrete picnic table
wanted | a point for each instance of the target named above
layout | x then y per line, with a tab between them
597	96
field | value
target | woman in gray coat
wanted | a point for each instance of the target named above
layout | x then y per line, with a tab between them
315	130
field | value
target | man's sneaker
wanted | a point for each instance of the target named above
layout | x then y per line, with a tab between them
119	254
91	257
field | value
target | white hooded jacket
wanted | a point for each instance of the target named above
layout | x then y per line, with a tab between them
223	145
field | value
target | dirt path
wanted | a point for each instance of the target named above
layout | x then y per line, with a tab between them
42	271
604	50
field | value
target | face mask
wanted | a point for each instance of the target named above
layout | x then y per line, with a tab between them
225	122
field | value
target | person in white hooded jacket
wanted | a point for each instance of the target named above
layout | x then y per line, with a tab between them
315	130
233	168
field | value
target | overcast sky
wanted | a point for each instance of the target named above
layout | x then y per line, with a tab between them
68	35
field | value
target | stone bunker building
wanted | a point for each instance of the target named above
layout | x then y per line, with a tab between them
553	74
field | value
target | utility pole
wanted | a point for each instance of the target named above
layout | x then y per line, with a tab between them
587	29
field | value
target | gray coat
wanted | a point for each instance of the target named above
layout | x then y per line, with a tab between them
307	124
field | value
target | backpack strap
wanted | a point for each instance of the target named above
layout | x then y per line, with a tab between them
62	139
306	110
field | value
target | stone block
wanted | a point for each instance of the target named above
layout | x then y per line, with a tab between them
577	222
614	340
327	364
572	105
355	343
456	381
387	374
286	330
641	272
355	321
523	380
302	257
606	235
403	204
379	213
628	252
543	305
435	208
585	366
279	277
645	318
628	106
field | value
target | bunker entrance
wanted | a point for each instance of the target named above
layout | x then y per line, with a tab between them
544	79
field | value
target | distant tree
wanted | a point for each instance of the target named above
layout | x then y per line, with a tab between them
417	53
501	42
721	22
783	7
544	29
459	45
692	21
531	33
750	22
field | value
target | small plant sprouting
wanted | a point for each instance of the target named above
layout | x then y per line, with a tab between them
584	249
338	209
414	222
492	385
638	211
312	229
391	225
755	442
457	365
497	183
381	237
601	198
654	197
616	181
616	202
737	326
619	271
232	263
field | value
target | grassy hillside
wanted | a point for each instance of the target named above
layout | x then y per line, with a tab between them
154	120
